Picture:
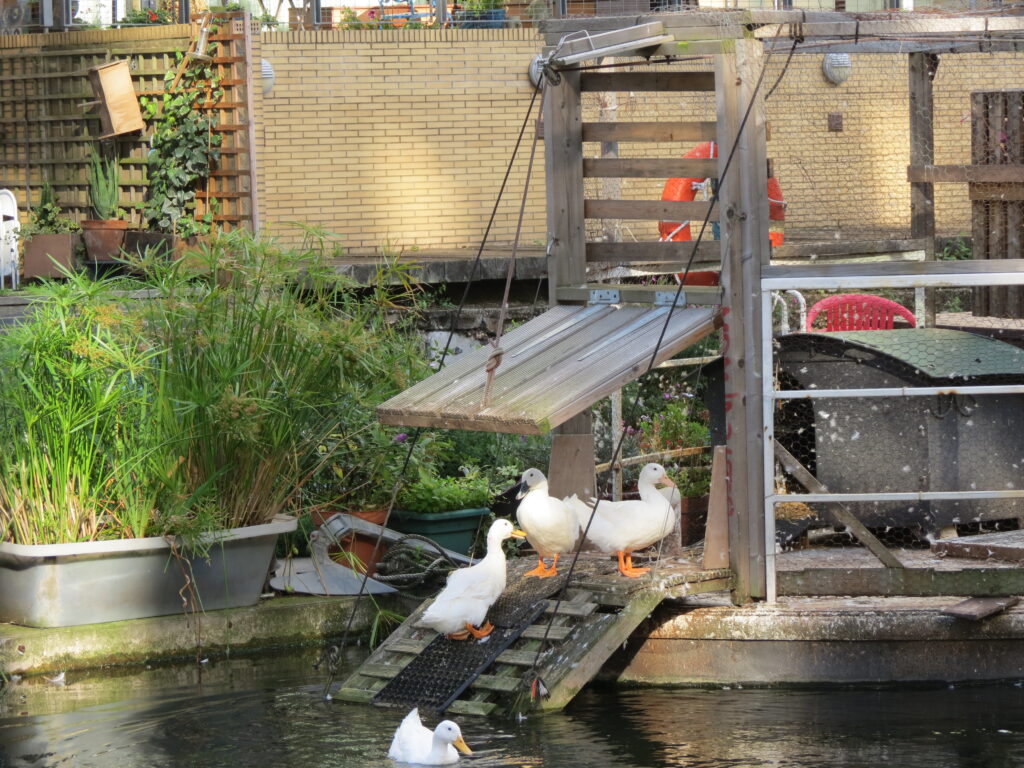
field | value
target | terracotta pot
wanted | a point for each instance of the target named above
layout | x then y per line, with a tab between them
103	239
693	518
359	545
44	252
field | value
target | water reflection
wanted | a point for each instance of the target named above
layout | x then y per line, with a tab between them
269	711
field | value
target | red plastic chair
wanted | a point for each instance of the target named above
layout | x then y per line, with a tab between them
858	312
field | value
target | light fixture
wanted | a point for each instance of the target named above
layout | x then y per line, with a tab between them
837	67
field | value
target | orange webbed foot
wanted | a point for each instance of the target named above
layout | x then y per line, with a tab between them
542	571
480	633
463	635
626	567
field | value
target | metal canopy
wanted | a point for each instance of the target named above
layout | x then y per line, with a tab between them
554	367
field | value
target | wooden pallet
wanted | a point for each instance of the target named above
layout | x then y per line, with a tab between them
599	611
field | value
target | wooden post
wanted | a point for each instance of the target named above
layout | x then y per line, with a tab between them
922	152
563	161
572	459
716	532
744	228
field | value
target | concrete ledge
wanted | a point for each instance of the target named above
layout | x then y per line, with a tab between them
275	622
810	641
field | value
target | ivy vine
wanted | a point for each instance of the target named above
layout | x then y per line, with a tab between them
184	150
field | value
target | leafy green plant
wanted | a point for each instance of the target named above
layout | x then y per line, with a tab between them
87	455
428	493
184	150
956	249
104	183
47	217
674	427
149	16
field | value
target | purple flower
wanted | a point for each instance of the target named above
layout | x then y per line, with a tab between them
401	437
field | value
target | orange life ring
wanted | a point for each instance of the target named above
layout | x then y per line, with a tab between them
685	189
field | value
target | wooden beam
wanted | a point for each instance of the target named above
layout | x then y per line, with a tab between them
648	168
826	249
884	269
642	294
895	27
647	81
964	173
563	161
841	45
838	511
901	582
647	131
996	192
671	252
716	535
978	608
920	73
648	210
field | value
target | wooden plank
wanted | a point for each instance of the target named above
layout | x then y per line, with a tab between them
965	173
836	510
647	81
648	168
477	708
977	608
922	151
883	269
600	645
1005	545
671	252
1014	118
894	27
649	132
563	162
645	294
537	632
827	249
716	538
649	210
979	210
903	582
569	609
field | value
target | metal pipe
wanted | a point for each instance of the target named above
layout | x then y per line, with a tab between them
897	496
813	394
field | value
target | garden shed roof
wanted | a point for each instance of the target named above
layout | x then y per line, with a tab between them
553	368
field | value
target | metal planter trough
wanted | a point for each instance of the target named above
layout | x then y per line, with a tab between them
61	585
944	442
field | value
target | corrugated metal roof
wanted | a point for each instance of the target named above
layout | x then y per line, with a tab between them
554	367
943	353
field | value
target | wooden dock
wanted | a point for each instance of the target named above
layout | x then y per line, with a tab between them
598	613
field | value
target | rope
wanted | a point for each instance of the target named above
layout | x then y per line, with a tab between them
537	684
496	354
331	654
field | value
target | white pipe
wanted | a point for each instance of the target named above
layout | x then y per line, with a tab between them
844	283
897	496
814	394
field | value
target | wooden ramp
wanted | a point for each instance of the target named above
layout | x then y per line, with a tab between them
600	610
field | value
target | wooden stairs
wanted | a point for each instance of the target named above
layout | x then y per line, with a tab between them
599	611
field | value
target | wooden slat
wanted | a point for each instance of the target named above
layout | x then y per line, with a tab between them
569	609
648	168
644	294
903	582
672	252
648	131
478	708
650	210
844	248
978	608
647	81
882	269
965	173
988	192
537	632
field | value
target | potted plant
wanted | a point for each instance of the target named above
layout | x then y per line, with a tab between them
445	509
482	14
51	239
104	235
185	149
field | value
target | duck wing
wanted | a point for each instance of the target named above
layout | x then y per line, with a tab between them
412	741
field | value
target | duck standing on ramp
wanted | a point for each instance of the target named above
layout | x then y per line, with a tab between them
461	607
552	526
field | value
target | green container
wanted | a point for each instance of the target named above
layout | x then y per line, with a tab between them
452	530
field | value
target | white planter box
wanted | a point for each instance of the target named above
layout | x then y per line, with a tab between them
61	585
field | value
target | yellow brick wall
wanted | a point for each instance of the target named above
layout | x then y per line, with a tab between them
401	139
396	138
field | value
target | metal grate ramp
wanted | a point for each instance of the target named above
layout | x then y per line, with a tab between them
600	610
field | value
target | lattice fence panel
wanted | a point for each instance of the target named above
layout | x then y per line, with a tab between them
46	127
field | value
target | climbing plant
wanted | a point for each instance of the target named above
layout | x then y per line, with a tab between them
184	149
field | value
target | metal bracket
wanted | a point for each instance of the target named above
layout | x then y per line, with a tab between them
604	296
668	298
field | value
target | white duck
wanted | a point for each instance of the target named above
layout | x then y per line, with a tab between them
551	525
463	604
413	743
623	527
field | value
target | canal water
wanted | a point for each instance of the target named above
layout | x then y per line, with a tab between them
269	712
